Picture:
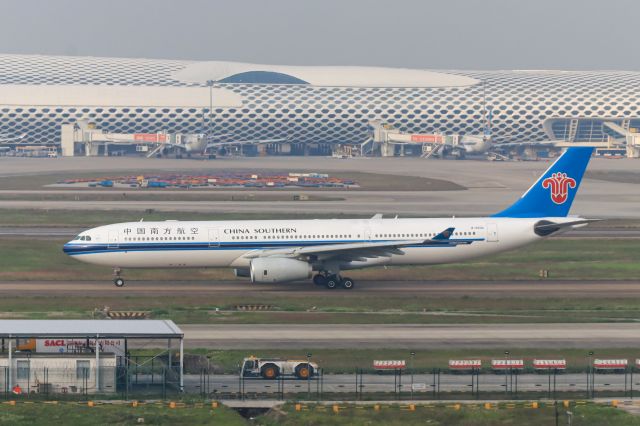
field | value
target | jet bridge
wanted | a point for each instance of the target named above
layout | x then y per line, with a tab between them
95	142
393	142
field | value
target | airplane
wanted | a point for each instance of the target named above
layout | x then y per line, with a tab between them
276	251
484	144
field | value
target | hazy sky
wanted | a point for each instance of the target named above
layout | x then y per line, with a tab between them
466	34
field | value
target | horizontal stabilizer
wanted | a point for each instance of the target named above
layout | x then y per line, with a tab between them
546	227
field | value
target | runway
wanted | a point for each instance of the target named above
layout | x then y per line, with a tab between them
415	336
596	289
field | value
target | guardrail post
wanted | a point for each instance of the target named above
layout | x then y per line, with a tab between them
631	393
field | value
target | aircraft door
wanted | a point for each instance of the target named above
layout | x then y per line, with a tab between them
214	237
113	240
367	233
492	232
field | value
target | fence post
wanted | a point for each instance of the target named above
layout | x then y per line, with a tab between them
433	386
164	383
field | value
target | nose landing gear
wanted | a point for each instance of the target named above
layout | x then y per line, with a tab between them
118	281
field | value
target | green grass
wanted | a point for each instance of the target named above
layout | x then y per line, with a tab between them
114	414
476	415
201	414
23	258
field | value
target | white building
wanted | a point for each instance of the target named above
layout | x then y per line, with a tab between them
307	105
58	373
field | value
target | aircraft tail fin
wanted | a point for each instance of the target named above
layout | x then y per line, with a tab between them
553	193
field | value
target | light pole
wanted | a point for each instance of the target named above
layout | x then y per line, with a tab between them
412	355
507	366
210	83
590	376
308	376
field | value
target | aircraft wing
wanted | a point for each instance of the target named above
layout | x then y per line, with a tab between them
360	250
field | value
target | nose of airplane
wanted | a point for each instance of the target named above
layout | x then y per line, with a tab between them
68	247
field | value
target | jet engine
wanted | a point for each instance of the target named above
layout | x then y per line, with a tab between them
278	270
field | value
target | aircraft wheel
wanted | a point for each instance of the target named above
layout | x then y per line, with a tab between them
319	279
332	282
119	282
347	283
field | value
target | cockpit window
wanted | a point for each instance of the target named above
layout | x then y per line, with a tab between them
87	238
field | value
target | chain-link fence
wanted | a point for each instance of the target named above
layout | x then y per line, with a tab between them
406	385
149	377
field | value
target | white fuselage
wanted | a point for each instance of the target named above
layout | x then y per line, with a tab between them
178	244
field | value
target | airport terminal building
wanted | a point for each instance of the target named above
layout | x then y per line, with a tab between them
306	105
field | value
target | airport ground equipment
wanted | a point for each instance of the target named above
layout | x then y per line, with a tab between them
272	368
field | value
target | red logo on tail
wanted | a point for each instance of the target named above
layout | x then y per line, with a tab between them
559	184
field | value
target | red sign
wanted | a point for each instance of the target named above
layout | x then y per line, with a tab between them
426	138
505	364
389	365
150	137
610	363
464	364
543	364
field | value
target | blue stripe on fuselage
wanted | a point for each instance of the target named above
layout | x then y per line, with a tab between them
79	249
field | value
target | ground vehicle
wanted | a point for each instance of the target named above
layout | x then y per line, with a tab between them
272	368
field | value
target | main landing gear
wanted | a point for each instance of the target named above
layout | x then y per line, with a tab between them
333	281
118	281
